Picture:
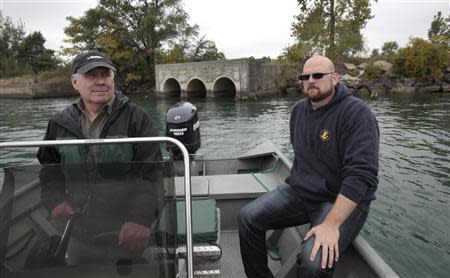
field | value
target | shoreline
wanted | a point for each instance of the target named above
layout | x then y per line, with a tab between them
31	88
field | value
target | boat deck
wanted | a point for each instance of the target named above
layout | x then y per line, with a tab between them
231	263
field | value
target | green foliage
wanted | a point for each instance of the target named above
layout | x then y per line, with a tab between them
389	49
60	74
375	54
296	53
421	58
198	49
83	32
20	54
32	52
439	26
288	77
172	56
439	32
10	37
331	27
442	40
373	72
137	34
353	72
204	50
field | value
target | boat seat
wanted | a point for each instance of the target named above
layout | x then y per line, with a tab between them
231	186
199	186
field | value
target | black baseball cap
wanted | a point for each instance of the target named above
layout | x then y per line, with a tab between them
86	61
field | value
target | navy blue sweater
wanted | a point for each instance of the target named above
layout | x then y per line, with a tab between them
335	150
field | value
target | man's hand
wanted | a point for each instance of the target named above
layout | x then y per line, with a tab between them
63	211
327	233
133	236
327	237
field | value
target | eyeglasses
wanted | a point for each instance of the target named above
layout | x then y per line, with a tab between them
315	76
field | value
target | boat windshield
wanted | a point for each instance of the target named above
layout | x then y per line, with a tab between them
89	219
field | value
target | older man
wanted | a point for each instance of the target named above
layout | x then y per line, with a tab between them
114	188
333	179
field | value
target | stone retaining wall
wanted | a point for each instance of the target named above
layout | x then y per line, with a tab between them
29	88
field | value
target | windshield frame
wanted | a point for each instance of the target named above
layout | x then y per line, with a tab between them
187	176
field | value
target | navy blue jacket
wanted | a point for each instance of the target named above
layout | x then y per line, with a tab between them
335	150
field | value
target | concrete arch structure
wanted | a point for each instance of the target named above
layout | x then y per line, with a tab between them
172	88
237	78
195	88
224	87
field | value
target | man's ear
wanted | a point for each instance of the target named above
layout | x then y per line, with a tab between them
73	80
336	78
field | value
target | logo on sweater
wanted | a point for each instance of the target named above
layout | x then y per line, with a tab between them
325	135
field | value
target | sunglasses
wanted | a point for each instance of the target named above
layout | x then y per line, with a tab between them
315	76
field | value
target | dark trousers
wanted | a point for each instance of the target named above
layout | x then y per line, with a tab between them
282	208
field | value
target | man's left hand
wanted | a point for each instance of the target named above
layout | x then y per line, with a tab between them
133	236
327	237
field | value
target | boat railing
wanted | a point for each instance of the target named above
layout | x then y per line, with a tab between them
187	177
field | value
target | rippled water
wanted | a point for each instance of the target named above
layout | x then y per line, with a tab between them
409	223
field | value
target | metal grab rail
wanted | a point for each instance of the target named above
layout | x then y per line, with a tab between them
187	172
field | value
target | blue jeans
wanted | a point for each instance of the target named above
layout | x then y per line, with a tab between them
282	208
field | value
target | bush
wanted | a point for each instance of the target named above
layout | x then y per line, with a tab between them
288	77
353	72
421	59
373	72
59	74
296	53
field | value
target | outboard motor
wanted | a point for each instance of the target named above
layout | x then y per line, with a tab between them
182	124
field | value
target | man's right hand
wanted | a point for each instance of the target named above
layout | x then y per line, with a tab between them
63	211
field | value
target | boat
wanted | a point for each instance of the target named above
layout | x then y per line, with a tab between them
218	188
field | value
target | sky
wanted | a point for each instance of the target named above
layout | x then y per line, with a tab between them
241	28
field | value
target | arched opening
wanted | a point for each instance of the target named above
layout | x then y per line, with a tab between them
224	88
196	89
172	88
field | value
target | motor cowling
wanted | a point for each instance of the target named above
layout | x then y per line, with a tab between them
182	124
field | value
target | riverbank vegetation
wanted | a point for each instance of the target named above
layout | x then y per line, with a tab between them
137	35
334	28
22	54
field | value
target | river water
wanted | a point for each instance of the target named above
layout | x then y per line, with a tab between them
409	223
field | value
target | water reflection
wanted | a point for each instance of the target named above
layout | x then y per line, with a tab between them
412	210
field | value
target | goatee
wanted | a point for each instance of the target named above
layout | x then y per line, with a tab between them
318	96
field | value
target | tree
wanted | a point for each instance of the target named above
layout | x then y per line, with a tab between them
389	49
191	48
375	53
331	27
173	56
11	35
439	26
295	53
134	33
439	32
131	32
20	54
204	50
32	51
